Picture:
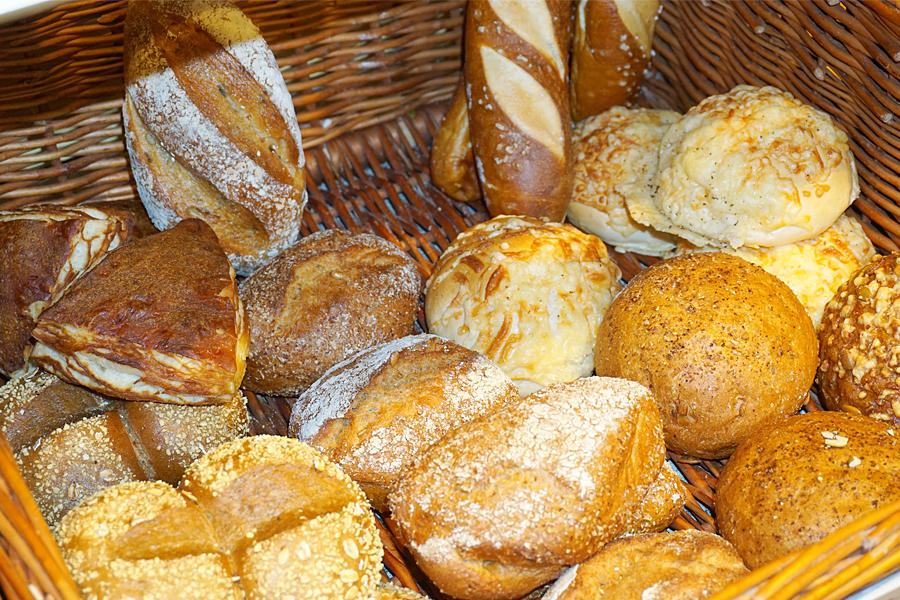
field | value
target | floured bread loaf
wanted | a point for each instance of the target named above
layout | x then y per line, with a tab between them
660	505
374	412
616	154
42	250
158	319
526	293
501	505
753	167
210	127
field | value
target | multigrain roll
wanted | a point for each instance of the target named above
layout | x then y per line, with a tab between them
526	293
374	412
503	504
691	329
329	295
677	565
859	353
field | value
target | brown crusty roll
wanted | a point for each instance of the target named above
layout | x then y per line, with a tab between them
660	505
210	126
70	442
329	295
501	505
516	73
158	319
376	411
42	250
610	52
452	162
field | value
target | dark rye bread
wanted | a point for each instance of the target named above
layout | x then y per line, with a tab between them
71	442
324	298
42	250
374	412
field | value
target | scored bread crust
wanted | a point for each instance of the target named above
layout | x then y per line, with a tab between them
207	111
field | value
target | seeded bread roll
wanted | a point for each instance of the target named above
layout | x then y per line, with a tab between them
374	412
331	294
501	505
677	565
859	353
794	482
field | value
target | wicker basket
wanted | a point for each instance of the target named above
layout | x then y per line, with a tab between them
369	81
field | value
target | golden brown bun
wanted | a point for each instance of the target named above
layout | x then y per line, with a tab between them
158	319
793	483
70	442
526	293
210	127
42	250
859	341
516	73
660	505
504	503
452	162
677	565
390	591
610	52
324	298
374	412
691	328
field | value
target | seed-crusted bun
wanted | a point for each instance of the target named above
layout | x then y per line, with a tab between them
794	482
753	167
859	354
374	412
504	503
324	298
261	517
616	154
690	329
677	565
528	294
70	442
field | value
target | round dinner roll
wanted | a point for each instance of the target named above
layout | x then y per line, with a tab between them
616	154
815	268
676	565
374	412
859	338
752	167
322	299
528	294
794	482
724	346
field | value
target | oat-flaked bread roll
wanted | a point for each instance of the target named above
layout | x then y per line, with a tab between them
794	482
526	293
374	412
70	442
725	347
329	295
504	503
859	343
752	167
677	565
616	154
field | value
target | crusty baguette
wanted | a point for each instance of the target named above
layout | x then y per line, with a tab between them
516	72
452	162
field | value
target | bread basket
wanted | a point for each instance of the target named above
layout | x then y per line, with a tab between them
370	80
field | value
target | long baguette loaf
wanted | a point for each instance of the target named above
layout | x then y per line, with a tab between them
516	72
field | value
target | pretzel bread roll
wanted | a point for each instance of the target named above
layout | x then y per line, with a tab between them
504	503
610	52
210	127
452	162
516	71
374	412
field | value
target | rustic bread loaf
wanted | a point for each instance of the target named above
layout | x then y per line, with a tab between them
794	482
502	504
329	295
210	127
374	412
660	505
452	162
42	250
70	442
158	319
691	329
